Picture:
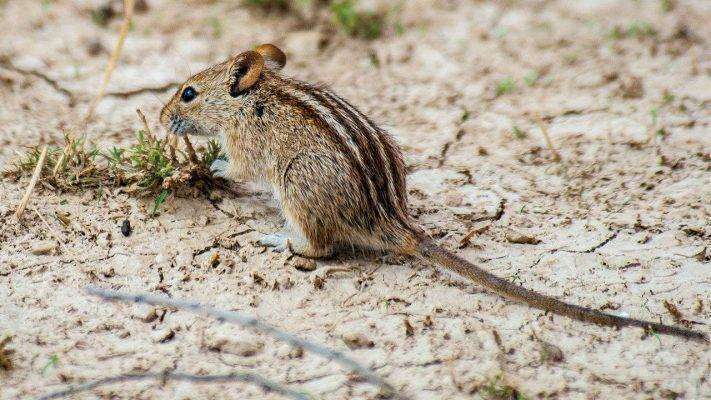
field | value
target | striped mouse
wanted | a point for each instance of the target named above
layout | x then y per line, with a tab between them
338	178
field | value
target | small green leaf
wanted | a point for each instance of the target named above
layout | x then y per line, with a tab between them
531	78
52	362
506	85
160	199
518	133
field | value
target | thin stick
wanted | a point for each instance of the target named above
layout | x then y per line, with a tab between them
251	322
191	151
62	157
176	376
142	117
113	60
35	177
172	144
549	142
49	228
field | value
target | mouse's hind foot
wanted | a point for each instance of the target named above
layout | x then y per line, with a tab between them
297	245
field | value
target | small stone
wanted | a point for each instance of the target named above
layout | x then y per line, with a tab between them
126	228
356	340
215	260
304	264
289	352
694	231
145	314
242	348
203	220
409	329
43	247
141	6
319	282
632	87
94	48
163	335
521	238
106	271
245	349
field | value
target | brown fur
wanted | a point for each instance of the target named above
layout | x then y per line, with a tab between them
339	179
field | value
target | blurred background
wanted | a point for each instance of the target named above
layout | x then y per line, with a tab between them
566	144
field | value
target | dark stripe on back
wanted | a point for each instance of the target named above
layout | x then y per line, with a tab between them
365	221
397	164
393	207
371	158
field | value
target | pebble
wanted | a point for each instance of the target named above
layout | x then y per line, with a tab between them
357	340
163	335
286	351
43	247
521	238
145	313
126	228
247	347
304	264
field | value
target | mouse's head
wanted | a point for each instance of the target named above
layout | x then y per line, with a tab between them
210	99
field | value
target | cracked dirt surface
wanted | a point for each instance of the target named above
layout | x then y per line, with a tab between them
620	223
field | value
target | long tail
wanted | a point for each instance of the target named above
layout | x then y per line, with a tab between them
512	291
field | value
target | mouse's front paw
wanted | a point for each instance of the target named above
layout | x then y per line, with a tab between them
279	241
220	168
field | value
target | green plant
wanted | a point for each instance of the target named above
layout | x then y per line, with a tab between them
668	5
504	86
268	5
531	78
216	25
363	24
638	29
159	200
146	167
52	362
518	133
497	390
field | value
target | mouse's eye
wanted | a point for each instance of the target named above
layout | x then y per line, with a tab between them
188	94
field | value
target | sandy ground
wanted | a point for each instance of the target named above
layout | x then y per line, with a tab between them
619	223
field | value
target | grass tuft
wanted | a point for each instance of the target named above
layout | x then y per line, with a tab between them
518	133
362	24
147	167
637	29
498	390
268	5
504	86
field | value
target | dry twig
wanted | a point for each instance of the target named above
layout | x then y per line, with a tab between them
35	177
142	117
549	142
176	376
113	60
251	322
191	151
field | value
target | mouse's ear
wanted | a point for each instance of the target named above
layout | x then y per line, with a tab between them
245	71
273	56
